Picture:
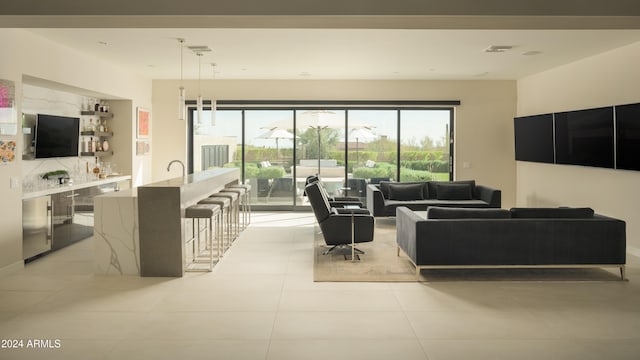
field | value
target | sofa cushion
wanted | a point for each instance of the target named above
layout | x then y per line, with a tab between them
550	213
384	188
461	213
403	191
453	192
433	190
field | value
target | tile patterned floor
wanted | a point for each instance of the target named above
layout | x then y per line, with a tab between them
260	302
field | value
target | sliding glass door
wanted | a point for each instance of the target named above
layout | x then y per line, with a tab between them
268	162
424	146
277	148
371	148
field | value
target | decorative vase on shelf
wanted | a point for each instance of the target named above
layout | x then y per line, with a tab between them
105	145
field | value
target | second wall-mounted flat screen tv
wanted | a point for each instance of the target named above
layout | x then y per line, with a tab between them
628	139
534	138
56	136
585	137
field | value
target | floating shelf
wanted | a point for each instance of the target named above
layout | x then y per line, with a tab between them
97	134
107	115
96	153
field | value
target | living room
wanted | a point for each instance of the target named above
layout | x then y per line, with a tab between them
484	141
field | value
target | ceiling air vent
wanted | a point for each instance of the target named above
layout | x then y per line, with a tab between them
498	48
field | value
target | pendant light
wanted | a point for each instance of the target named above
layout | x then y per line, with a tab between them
214	105
182	97
199	101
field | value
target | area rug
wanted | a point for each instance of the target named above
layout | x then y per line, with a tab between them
381	264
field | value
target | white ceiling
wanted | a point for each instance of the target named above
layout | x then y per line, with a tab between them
341	53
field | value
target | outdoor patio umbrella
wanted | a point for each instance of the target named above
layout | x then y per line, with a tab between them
362	134
277	134
318	120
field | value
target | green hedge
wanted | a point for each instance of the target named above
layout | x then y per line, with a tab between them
426	165
415	175
368	173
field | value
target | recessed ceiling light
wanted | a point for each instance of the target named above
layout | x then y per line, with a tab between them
532	52
498	48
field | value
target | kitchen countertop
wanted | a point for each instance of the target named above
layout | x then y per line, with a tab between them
76	186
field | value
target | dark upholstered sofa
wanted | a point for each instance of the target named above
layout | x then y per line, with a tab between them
520	237
385	197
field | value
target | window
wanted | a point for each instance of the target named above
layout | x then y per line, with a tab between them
277	147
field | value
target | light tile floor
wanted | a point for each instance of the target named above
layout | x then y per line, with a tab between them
260	302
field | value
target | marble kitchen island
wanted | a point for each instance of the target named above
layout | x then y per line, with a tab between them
140	232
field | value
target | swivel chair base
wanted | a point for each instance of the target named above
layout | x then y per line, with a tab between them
342	246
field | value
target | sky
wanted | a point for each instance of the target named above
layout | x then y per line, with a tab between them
416	124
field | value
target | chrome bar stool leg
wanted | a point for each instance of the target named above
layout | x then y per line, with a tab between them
242	202
199	212
234	198
225	218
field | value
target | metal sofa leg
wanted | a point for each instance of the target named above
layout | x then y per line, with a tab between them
623	273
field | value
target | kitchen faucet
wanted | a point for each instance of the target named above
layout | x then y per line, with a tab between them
176	161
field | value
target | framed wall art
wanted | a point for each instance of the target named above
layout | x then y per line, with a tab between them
143	123
8	119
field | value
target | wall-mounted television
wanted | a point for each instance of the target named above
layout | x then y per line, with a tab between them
56	136
585	137
534	138
628	137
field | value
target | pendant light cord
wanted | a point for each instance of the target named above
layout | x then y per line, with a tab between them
181	56
199	63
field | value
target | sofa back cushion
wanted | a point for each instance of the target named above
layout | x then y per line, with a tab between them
406	191
384	188
453	192
435	212
552	213
432	187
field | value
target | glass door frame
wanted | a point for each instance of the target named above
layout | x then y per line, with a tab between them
295	106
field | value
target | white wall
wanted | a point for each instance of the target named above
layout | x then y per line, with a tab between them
611	78
25	54
483	128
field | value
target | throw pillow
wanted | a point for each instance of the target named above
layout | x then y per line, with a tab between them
453	192
433	186
435	212
400	191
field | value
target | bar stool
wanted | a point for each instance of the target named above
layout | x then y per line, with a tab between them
235	209
198	212
225	216
242	192
247	199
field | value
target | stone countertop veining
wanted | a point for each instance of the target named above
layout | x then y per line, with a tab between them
68	187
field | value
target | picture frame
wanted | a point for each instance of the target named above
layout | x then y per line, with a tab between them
8	118
143	123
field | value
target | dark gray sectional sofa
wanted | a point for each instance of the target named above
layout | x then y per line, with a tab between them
520	237
385	197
